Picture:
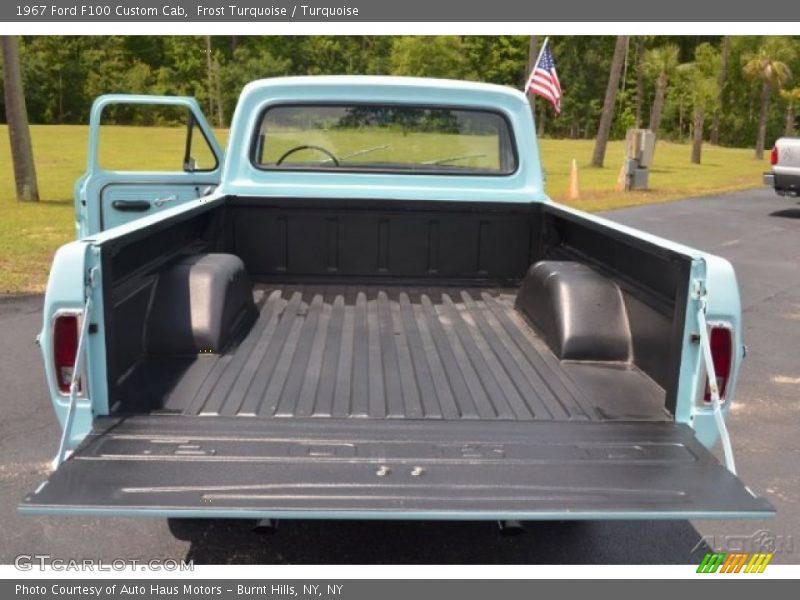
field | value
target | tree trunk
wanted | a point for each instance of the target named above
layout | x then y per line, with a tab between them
533	52
697	138
606	117
624	79
17	119
790	116
210	78
721	83
658	104
60	98
218	90
639	79
542	114
766	92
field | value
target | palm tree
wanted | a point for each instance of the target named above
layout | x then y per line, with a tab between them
702	95
766	66
604	128
722	82
17	119
639	67
792	98
704	81
660	63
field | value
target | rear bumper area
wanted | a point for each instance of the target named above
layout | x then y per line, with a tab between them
180	466
785	181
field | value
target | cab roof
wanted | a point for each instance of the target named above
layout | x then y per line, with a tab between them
384	81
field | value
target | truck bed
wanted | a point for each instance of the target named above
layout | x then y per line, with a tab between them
388	370
390	352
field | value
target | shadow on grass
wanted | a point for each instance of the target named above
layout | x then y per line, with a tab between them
10	201
57	203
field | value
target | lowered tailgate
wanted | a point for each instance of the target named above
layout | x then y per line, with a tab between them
179	466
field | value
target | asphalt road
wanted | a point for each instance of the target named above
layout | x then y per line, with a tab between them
757	231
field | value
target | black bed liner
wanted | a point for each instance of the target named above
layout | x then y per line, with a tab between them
165	465
391	352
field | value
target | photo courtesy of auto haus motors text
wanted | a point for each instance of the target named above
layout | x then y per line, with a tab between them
337	300
192	590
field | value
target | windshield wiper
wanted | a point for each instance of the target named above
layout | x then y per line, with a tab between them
359	153
449	159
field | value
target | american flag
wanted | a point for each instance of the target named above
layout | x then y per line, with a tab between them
544	79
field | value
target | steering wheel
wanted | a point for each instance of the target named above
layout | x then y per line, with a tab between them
291	151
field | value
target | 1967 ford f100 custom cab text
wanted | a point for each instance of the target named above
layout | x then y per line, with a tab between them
367	307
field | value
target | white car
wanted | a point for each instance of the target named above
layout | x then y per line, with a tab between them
785	173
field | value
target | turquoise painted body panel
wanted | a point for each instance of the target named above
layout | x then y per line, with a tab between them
236	175
67	289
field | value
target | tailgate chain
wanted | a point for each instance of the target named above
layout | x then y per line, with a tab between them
708	359
76	372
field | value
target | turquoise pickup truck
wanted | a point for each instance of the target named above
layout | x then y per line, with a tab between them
367	307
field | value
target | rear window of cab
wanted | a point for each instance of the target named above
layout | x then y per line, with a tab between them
384	138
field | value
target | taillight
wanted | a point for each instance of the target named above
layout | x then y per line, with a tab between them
773	156
721	342
65	349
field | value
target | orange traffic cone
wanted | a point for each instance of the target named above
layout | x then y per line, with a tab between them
574	192
620	187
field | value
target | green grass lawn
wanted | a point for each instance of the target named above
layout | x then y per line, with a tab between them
672	176
30	232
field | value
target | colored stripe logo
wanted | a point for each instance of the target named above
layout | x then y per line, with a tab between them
741	562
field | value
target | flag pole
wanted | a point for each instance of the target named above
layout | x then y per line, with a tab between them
527	85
